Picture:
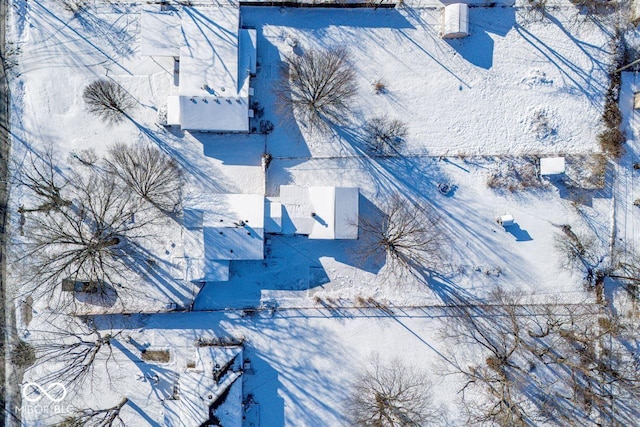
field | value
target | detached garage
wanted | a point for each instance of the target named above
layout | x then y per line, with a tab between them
455	21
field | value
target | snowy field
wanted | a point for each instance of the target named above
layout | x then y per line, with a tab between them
509	88
473	106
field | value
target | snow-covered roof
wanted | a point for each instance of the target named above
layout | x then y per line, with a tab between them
210	56
216	61
233	243
198	389
161	33
232	229
209	113
321	212
173	110
346	213
229	210
247	52
551	165
455	21
273	216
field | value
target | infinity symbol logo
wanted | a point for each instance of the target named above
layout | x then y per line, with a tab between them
41	392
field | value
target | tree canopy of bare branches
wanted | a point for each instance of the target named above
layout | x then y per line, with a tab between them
406	233
319	86
72	352
74	6
108	417
108	100
627	270
385	136
42	177
79	228
552	364
498	374
580	251
391	395
149	172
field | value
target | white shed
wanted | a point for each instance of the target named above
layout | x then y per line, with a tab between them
455	21
552	166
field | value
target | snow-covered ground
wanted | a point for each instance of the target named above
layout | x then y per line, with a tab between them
509	88
302	361
515	87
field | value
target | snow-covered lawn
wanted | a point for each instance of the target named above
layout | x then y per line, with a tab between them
302	360
509	88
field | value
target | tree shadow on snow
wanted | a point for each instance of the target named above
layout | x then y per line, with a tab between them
192	165
303	378
59	32
116	34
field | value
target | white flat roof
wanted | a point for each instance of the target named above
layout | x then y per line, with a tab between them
552	165
323	203
334	209
209	113
227	210
161	33
173	110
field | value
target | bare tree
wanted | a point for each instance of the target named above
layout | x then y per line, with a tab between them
108	100
627	270
390	395
534	10
108	417
74	6
406	233
318	86
43	178
589	352
83	230
71	353
554	364
493	332
149	172
580	251
385	136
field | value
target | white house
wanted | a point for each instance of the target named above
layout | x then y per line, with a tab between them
320	212
214	59
455	21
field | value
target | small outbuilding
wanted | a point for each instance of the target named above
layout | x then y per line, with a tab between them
506	220
455	21
552	166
